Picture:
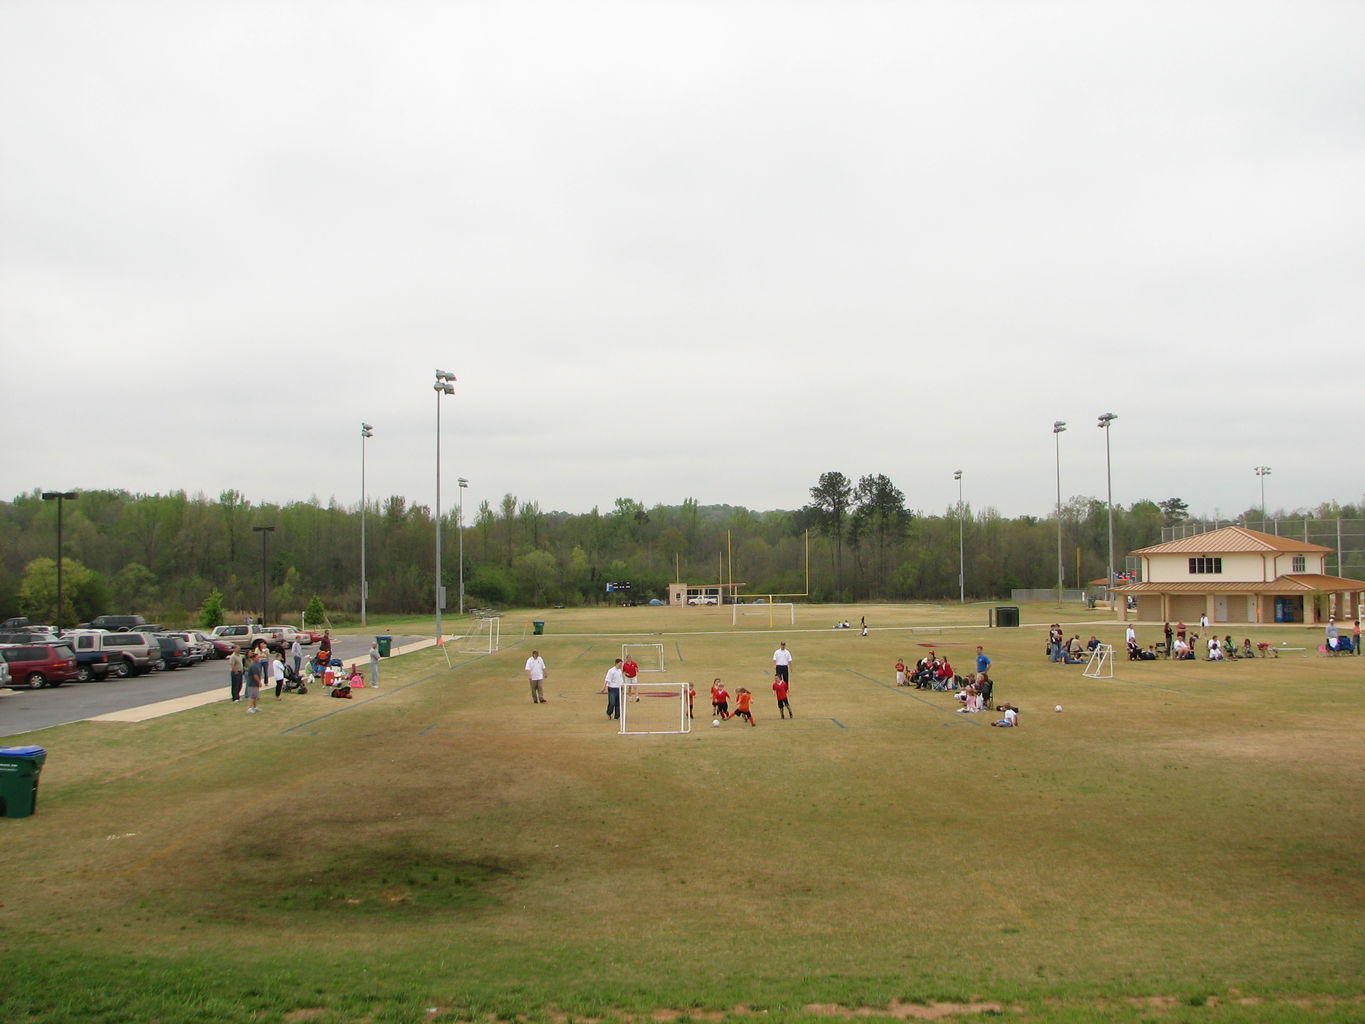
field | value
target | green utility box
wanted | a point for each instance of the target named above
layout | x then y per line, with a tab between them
385	644
1007	615
538	627
19	771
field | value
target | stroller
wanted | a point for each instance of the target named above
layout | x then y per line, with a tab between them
292	681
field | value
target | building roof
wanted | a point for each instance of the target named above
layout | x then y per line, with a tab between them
1232	540
1294	583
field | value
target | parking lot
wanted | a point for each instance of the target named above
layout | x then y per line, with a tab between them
24	711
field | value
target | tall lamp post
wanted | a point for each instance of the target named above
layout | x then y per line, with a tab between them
1262	472
961	564
1103	424
444	386
460	519
366	431
265	532
59	497
1058	428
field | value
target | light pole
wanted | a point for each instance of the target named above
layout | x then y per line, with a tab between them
365	431
59	497
443	386
1103	424
265	532
1058	428
460	519
1262	472
961	565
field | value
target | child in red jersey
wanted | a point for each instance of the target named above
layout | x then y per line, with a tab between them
742	699
784	707
720	700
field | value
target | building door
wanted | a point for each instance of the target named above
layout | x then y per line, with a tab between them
1220	608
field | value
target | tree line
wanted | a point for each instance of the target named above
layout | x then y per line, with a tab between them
164	555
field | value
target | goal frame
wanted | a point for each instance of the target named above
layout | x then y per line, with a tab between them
646	691
1101	663
769	607
469	642
626	649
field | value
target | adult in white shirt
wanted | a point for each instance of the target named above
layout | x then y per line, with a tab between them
782	659
1130	635
615	680
535	672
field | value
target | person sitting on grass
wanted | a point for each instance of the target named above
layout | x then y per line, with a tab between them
1230	648
1247	650
1215	649
1011	719
1092	643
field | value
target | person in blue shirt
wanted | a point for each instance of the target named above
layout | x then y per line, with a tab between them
983	663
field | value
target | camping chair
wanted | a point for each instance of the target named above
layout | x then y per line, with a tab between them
985	688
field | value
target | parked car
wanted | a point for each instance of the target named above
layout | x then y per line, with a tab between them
128	653
175	652
17	623
246	637
200	644
119	623
291	634
37	665
213	647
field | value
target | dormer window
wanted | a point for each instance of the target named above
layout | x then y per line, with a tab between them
1205	565
1299	563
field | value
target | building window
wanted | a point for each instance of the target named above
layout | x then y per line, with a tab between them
1299	563
1206	565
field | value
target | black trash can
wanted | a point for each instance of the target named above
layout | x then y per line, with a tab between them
19	771
385	645
1007	615
538	627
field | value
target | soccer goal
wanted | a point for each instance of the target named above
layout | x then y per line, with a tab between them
484	636
659	709
650	657
1101	663
779	614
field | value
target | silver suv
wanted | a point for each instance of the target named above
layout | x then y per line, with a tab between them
128	654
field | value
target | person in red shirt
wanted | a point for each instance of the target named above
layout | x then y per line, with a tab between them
630	670
784	707
900	672
720	700
742	699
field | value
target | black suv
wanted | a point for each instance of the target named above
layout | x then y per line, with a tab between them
117	623
175	653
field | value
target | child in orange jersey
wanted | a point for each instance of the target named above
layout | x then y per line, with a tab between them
742	699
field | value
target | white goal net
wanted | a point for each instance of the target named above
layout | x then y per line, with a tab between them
1101	663
483	637
657	709
779	614
650	657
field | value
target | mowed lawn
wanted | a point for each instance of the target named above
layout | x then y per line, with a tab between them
1181	842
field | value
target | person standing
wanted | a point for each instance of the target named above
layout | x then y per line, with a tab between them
1130	636
374	664
615	679
782	659
255	679
629	669
1166	629
277	672
784	707
1204	621
983	665
535	673
900	671
1355	637
1332	632
296	652
325	646
236	670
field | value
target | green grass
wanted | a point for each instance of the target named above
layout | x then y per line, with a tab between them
1177	845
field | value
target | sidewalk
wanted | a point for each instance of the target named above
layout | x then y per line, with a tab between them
197	700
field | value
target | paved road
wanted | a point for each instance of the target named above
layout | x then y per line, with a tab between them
24	711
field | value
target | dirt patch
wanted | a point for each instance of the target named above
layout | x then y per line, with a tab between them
906	1011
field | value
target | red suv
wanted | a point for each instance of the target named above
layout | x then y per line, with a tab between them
39	665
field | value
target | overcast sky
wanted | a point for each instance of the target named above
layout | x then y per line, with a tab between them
671	250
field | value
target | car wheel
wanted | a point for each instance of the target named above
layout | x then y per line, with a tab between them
158	665
121	669
36	681
84	674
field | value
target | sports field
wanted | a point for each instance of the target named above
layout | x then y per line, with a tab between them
1180	843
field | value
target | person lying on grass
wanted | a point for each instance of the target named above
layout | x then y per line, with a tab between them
1011	719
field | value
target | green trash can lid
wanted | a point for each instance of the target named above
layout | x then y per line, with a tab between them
21	751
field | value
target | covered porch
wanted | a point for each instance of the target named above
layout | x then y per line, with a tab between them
1304	598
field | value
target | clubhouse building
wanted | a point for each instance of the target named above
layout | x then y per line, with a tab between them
1240	575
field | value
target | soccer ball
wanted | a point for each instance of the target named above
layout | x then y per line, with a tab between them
1059	707
715	723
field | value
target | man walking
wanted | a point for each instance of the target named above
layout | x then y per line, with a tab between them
615	680
535	673
782	659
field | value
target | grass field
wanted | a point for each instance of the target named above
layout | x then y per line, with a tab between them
1180	843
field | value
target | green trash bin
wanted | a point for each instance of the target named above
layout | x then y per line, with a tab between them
385	644
19	771
1007	615
538	627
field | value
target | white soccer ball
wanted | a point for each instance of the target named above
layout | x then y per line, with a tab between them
715	723
1059	707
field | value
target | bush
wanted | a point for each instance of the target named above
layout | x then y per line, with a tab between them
211	611
316	613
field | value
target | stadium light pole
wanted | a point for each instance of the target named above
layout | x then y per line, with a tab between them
1103	424
1262	472
443	386
460	520
366	431
1058	427
961	564
265	532
59	497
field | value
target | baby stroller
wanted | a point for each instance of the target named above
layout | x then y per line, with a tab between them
292	681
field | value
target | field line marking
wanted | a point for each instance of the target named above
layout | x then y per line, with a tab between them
677	646
915	697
